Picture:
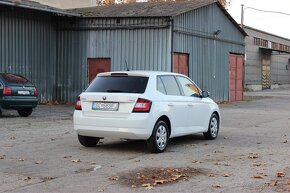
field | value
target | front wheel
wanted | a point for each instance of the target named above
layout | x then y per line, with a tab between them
24	112
213	127
88	141
158	141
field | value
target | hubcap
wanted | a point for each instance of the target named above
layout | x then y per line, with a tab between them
214	127
161	137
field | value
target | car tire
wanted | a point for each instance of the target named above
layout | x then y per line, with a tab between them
158	141
24	112
88	141
213	128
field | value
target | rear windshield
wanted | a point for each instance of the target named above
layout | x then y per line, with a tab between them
15	79
118	84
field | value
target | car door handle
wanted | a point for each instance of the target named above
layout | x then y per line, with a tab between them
170	104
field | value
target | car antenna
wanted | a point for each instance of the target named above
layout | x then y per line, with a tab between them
127	67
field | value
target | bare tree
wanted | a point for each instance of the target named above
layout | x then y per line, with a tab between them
225	3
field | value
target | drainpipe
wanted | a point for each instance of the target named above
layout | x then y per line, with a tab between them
171	51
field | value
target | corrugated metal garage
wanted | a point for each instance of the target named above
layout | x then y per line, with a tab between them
61	51
28	41
156	36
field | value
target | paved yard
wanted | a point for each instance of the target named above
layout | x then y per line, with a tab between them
41	154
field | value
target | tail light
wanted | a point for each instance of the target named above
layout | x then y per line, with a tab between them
142	106
7	91
78	105
35	93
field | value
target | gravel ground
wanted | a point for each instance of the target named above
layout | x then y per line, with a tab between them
41	153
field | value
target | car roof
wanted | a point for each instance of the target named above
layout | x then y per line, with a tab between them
138	73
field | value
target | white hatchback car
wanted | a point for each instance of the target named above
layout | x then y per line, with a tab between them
152	106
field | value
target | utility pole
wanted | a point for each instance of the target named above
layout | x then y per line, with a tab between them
242	16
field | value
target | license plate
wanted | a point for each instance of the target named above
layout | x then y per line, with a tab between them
105	106
24	92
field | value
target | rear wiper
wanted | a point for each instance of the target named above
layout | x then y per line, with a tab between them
113	90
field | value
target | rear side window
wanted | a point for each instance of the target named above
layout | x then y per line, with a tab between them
160	86
118	84
15	79
170	84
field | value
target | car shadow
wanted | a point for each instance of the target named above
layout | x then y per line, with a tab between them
141	146
123	145
8	115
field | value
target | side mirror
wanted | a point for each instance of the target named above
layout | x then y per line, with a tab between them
205	94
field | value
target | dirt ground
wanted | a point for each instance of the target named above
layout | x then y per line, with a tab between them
41	153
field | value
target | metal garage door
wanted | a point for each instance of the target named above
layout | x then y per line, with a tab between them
98	65
236	77
180	63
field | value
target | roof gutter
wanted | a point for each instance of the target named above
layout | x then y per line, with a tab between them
40	9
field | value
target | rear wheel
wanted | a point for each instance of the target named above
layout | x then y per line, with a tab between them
158	141
213	127
88	141
24	112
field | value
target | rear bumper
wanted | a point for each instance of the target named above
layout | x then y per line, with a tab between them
18	103
136	126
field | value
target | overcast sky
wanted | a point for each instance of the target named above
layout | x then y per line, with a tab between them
274	23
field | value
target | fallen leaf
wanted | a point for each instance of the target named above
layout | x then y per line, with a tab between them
273	183
256	164
253	156
134	186
38	162
147	186
257	177
114	178
285	141
101	190
288	182
140	177
195	161
26	178
68	156
226	175
217	186
21	159
76	160
160	181
12	138
2	156
176	177
211	175
280	174
47	178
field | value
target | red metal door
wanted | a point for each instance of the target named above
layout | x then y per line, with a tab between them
180	63
236	77
98	65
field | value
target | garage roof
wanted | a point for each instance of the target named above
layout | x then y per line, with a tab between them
146	9
143	9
